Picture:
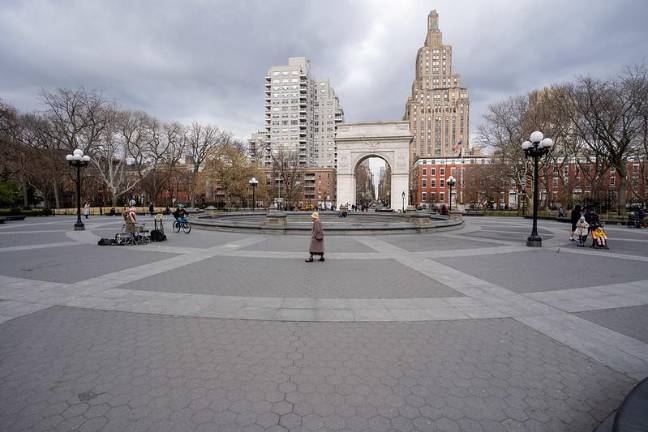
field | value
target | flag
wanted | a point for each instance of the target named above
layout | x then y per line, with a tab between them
458	146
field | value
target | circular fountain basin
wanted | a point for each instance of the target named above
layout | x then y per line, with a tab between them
275	222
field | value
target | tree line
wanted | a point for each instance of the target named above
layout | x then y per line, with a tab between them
597	124
132	153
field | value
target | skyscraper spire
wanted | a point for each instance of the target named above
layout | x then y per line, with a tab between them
439	108
433	21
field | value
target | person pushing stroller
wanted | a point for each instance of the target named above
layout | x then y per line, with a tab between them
582	229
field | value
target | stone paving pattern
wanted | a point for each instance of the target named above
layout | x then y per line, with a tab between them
468	330
630	321
85	370
380	278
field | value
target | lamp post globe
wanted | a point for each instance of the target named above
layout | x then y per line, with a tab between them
535	148
450	181
78	160
253	182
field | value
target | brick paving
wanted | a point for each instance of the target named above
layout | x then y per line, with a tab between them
481	338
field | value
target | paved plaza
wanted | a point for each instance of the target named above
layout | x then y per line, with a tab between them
468	330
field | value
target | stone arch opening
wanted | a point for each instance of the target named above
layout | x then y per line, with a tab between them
372	175
387	140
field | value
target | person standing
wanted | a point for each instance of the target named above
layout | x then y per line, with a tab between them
317	238
575	216
130	218
86	210
151	208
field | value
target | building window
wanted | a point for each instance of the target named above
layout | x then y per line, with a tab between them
424	196
442	183
433	171
424	182
442	171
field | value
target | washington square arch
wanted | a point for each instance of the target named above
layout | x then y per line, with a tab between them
389	141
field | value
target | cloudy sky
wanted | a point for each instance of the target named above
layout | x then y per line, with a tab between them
206	60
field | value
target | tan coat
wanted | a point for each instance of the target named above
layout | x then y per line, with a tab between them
317	238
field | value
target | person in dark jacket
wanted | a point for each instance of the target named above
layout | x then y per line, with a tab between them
575	215
317	238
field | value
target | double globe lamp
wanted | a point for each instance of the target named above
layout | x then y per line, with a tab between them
78	160
535	148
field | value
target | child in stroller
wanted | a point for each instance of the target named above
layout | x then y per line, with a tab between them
599	237
582	229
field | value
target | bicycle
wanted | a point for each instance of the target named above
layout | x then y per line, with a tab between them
183	225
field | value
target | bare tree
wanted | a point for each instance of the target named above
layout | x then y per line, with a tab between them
111	159
609	119
504	130
201	141
77	118
287	176
46	167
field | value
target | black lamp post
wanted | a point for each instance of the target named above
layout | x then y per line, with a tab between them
450	182
78	160
253	182
403	195
537	147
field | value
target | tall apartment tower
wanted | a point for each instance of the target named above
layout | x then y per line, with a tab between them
439	109
297	109
328	114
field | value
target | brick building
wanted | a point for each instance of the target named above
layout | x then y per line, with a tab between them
481	181
318	190
430	175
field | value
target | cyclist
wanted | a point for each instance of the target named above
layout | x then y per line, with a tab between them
180	214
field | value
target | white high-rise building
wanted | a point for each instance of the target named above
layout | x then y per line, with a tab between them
297	110
328	113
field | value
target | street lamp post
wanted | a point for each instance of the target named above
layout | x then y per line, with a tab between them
403	195
536	147
253	182
450	182
78	160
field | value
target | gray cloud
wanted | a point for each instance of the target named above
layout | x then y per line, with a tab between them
205	60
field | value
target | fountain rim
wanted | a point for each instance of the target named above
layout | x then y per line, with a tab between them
405	224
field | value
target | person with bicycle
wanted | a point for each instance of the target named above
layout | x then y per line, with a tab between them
180	214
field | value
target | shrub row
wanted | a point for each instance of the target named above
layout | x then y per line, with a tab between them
25	211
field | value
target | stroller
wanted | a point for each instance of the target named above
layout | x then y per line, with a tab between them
599	237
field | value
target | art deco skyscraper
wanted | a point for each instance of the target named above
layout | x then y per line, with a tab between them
438	110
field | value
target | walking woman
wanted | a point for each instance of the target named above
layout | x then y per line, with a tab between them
317	238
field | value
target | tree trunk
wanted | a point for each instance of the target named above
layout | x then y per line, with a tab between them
25	191
57	202
621	192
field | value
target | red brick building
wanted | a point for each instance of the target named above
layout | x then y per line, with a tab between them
562	184
430	175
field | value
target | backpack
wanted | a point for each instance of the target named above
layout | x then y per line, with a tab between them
157	236
106	242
